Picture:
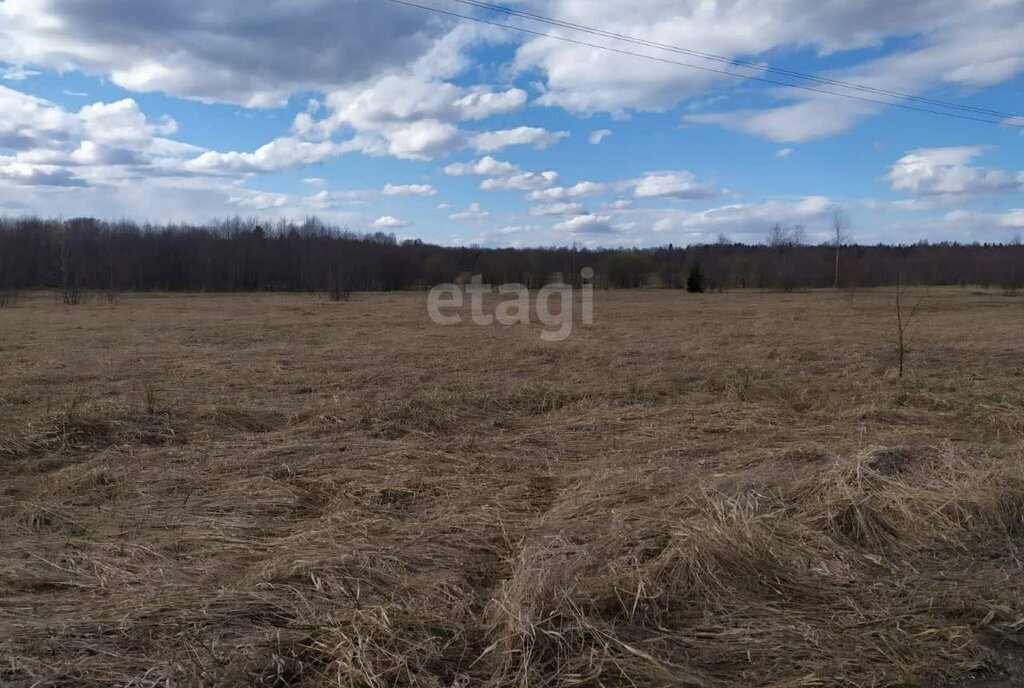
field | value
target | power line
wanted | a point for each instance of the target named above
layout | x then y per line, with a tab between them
748	77
731	61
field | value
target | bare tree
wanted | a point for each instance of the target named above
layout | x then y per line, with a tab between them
112	292
840	235
71	286
784	240
904	317
1012	287
787	237
797	235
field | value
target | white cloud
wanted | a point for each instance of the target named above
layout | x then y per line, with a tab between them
805	120
1015	122
599	136
485	167
390	222
678	185
587	224
748	222
474	212
103	143
122	125
524	181
1013	219
17	73
936	171
29	122
410	116
26	174
502	176
555	209
561	193
90	153
117	193
491	141
516	229
783	152
260	200
959	225
409	190
279	154
422	140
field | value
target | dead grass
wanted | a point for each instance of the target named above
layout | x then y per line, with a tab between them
721	490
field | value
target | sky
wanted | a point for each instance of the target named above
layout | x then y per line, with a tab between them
379	116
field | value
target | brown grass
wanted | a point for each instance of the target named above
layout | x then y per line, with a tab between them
717	490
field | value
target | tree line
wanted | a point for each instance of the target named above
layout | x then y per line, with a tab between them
85	254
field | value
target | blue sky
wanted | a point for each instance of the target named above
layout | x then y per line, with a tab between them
380	116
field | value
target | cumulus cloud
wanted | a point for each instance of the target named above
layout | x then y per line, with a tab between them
409	190
562	193
937	171
473	212
523	181
279	154
102	143
587	224
502	176
25	174
599	136
259	200
676	185
555	209
484	167
410	116
491	141
783	152
30	122
122	124
89	153
390	222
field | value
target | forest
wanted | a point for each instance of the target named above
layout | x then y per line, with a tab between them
82	255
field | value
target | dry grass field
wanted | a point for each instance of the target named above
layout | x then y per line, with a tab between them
700	490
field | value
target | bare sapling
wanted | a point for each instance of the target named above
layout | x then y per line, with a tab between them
905	315
840	236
